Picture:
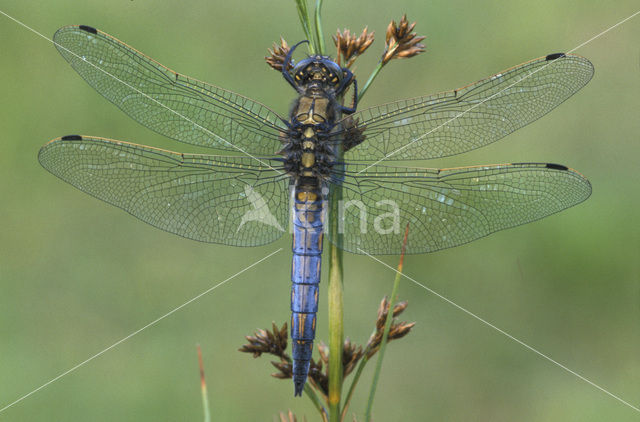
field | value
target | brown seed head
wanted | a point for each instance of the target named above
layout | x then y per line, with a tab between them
350	47
273	342
318	377
400	42
277	54
396	331
323	349
285	368
351	354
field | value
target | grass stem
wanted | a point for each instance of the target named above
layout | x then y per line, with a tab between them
203	388
356	378
319	34
303	14
387	327
336	305
370	80
316	402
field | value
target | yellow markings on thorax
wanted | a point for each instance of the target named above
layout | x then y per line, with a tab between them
312	111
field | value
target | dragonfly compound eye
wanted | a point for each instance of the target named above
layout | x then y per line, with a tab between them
335	73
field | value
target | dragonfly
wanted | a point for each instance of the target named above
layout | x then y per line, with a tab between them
285	173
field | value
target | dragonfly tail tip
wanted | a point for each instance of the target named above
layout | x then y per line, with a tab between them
299	386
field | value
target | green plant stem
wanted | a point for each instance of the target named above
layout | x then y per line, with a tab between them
205	405
356	378
385	335
371	78
319	34
316	402
336	331
383	345
203	388
303	14
336	306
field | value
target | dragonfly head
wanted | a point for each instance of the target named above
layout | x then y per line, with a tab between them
318	70
315	70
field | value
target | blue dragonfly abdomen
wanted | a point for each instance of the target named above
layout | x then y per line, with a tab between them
308	225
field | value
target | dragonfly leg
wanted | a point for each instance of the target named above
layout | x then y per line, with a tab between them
285	66
346	82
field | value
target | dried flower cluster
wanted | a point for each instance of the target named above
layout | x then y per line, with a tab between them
274	342
271	342
277	54
351	354
401	42
397	330
350	47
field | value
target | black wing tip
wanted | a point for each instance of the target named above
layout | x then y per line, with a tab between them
557	167
71	138
89	29
554	56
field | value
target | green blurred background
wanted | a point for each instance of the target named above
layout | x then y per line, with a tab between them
76	274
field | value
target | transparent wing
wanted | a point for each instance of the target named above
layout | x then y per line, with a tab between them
457	121
157	97
449	207
231	200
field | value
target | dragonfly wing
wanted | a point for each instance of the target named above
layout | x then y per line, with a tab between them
230	200
457	121
449	207
167	102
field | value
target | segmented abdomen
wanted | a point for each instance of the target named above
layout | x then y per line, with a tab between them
308	220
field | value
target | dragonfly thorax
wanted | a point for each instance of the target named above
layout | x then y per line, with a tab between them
319	82
308	153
